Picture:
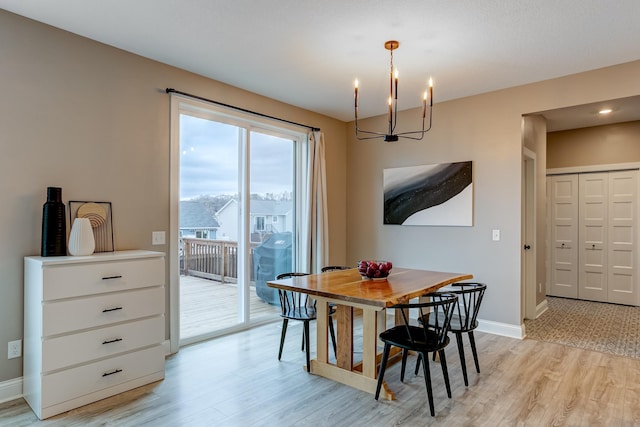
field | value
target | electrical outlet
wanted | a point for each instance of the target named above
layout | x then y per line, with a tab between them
14	349
157	238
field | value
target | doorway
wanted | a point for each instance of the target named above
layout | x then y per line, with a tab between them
607	146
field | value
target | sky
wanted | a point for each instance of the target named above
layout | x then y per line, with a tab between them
209	153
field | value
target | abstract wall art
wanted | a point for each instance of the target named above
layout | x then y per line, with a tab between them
439	194
101	218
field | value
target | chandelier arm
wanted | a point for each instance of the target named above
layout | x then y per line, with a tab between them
369	132
395	115
430	119
415	138
416	132
362	138
421	132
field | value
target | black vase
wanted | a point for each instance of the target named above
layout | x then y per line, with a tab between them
54	227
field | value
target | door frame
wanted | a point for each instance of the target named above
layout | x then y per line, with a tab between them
173	248
529	258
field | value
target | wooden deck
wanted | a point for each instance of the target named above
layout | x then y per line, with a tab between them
208	305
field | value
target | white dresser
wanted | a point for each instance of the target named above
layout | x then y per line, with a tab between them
93	327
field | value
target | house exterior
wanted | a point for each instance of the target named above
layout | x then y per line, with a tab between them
197	221
266	217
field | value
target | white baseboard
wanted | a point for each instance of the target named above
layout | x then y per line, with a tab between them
541	308
11	390
166	344
504	329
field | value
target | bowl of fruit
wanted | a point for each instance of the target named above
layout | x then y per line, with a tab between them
374	270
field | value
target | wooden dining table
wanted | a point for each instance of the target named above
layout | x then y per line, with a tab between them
347	290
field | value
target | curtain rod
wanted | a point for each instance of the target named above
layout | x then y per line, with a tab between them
171	90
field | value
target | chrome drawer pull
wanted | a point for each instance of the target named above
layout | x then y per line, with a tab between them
110	341
112	277
106	374
106	310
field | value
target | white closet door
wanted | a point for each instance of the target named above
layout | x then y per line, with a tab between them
564	235
622	244
593	225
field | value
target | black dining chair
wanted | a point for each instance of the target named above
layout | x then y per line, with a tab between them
422	339
465	319
298	306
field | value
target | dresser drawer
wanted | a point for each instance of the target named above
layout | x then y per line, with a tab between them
86	346
66	316
73	383
67	281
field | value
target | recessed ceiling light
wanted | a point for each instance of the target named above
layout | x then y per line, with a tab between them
605	111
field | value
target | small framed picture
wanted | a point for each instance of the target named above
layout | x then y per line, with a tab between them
101	218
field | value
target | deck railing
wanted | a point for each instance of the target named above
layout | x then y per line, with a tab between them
213	259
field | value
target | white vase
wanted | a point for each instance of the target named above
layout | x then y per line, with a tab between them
81	240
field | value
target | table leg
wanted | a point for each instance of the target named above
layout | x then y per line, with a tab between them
369	343
382	325
362	376
322	312
344	317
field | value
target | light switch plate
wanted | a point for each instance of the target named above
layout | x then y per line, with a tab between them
496	235
157	238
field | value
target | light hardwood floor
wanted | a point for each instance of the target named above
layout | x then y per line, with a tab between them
236	380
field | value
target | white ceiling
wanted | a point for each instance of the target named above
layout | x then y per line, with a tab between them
308	53
580	116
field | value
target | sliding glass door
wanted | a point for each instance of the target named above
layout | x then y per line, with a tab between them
236	219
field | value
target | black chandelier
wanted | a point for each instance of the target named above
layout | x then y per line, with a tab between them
391	136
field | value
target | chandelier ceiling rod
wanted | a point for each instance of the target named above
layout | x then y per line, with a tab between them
391	136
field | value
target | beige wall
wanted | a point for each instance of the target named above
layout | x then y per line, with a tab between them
94	120
486	129
598	145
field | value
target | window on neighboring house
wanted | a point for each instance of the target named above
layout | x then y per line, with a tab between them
274	219
259	223
202	234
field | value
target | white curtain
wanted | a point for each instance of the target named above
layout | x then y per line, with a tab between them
315	235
